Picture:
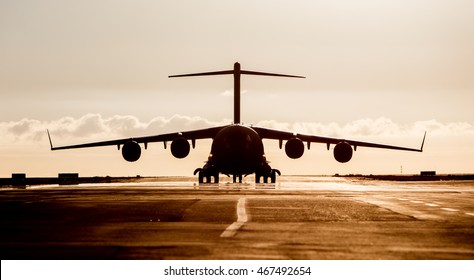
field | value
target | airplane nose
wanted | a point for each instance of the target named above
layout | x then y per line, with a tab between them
237	146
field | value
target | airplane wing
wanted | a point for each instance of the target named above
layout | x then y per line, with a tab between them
188	135
283	135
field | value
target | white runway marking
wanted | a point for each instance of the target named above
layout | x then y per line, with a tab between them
450	209
416	201
242	218
402	199
431	204
470	214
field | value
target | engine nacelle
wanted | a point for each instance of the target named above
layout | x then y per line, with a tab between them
131	151
294	148
343	152
180	147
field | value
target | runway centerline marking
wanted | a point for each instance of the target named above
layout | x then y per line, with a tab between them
242	218
470	214
431	204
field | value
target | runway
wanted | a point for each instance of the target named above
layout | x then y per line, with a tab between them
297	218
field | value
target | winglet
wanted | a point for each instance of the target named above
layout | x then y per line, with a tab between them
423	142
50	142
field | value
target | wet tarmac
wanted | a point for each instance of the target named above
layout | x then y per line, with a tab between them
297	218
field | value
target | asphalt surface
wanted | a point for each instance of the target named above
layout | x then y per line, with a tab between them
297	218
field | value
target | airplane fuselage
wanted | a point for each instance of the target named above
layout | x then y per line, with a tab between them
237	150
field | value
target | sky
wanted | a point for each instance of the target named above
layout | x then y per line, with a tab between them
379	71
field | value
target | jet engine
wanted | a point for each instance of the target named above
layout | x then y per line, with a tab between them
343	152
294	148
180	147
131	151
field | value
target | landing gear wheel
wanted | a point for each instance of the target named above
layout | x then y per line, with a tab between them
272	177
273	174
200	173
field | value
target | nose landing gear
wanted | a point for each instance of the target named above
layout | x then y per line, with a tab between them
235	177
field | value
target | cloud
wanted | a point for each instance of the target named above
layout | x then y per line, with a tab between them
230	92
97	127
227	93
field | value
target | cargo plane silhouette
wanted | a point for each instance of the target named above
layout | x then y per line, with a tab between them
237	149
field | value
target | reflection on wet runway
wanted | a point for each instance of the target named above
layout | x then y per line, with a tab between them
301	217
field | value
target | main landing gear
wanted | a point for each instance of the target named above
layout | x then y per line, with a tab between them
205	175
209	171
267	175
266	172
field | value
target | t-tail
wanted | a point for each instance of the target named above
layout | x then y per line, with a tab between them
236	72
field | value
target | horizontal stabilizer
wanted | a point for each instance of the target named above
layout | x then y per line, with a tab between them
235	71
269	74
227	72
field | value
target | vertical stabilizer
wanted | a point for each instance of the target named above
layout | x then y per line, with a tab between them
236	93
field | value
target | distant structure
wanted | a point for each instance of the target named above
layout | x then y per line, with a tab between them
68	178
18	179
